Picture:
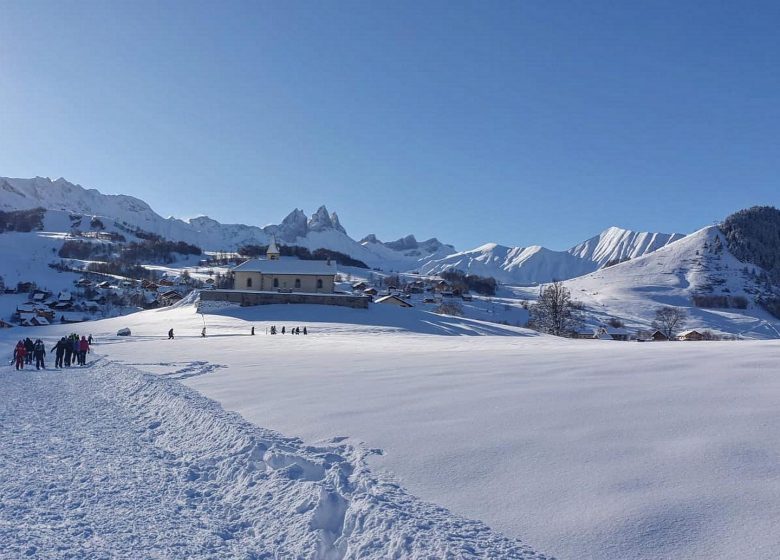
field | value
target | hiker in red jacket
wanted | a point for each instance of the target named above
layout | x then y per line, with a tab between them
83	349
19	353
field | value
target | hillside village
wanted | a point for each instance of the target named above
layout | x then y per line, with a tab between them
82	267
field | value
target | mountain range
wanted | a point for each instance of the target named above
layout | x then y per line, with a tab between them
323	229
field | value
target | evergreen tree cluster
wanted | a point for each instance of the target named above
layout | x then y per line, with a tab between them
151	250
22	220
753	235
463	283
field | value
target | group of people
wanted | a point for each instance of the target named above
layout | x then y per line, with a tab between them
294	330
68	350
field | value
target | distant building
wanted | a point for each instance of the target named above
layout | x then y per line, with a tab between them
690	335
393	300
659	336
273	274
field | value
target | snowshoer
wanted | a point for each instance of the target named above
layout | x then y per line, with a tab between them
89	339
28	350
253	331
282	330
83	349
304	330
170	334
19	354
59	350
40	352
203	332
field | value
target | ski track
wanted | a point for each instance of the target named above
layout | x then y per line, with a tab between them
108	462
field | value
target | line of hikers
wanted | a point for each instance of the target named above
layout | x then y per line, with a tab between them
294	330
68	350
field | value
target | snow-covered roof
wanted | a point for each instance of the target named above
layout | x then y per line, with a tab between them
390	298
288	266
688	332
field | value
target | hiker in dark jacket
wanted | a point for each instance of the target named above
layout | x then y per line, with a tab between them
28	350
19	353
68	347
170	334
40	352
59	350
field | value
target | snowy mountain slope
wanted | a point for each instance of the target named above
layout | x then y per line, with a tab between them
406	254
322	230
616	245
512	265
698	265
535	264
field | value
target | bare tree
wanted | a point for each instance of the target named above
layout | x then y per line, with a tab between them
669	319
555	312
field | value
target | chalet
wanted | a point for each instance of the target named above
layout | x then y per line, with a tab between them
71	318
658	336
38	297
359	286
169	298
690	335
613	333
441	286
104	285
584	333
5	325
393	300
83	283
65	296
35	321
45	313
25	308
466	297
165	282
288	275
370	291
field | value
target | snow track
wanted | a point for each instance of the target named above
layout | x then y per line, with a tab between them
107	462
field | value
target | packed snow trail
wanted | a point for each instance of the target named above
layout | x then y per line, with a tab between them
107	462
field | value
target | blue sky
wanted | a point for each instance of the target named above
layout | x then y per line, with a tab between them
515	122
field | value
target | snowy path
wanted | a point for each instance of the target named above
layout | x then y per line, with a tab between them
106	462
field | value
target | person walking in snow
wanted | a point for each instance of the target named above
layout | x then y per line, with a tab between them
89	339
67	344
59	350
203	332
253	331
74	340
170	334
19	354
304	330
282	330
28	350
83	349
40	352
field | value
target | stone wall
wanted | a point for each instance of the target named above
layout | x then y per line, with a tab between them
248	297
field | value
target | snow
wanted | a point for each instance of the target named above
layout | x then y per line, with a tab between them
582	448
107	462
535	264
672	275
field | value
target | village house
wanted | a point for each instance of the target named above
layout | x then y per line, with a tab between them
285	275
690	335
393	300
658	336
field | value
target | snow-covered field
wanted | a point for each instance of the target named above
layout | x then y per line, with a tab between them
583	449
